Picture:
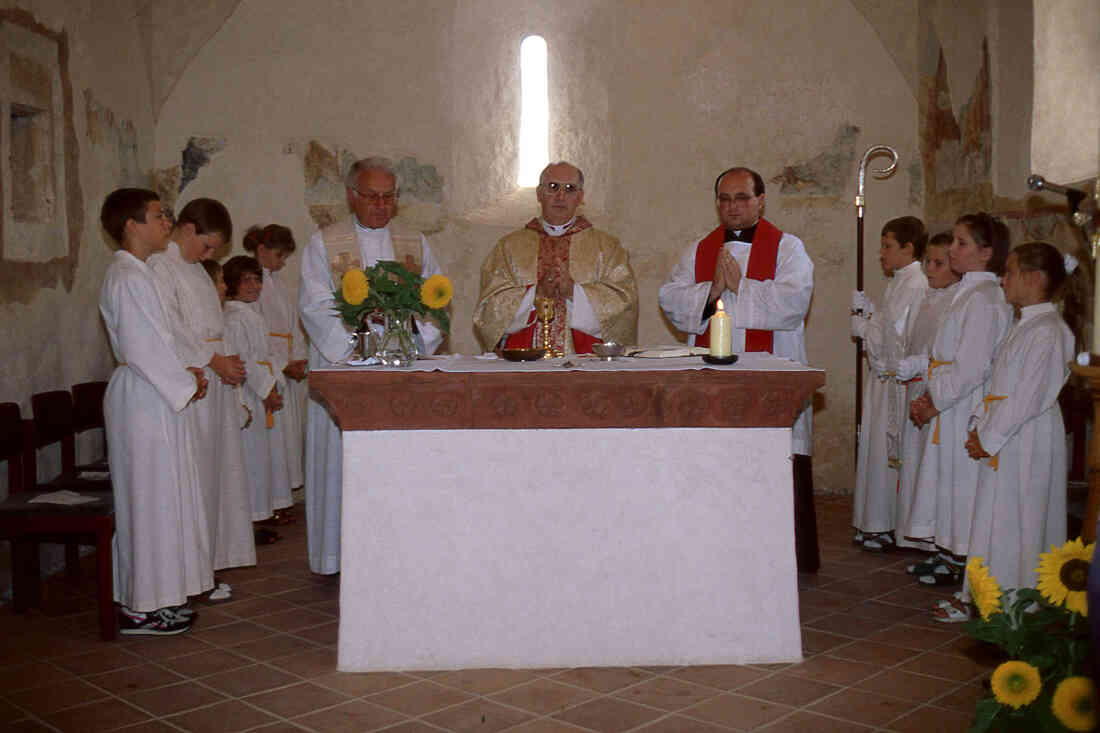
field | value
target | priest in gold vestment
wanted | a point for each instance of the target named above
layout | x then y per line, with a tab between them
560	256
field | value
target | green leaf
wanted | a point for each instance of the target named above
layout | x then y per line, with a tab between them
984	713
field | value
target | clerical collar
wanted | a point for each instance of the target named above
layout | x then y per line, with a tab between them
368	230
556	230
743	235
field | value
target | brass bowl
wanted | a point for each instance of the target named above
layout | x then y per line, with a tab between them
608	350
522	354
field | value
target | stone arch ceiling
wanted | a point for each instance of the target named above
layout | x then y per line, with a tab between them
895	21
175	31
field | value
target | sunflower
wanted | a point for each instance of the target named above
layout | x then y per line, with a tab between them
436	292
1016	684
983	588
1074	703
354	286
1063	575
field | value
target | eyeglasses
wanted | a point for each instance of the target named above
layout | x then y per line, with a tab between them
567	188
377	198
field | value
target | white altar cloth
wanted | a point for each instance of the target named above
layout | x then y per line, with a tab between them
563	548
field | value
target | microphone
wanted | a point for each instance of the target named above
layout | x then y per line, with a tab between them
1074	196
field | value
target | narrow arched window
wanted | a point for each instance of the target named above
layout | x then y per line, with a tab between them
534	119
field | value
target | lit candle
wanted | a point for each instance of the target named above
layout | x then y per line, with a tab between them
720	338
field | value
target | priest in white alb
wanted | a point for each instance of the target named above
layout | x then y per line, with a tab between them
359	241
561	257
765	280
195	311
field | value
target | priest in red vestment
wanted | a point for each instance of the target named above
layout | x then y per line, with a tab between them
561	256
765	280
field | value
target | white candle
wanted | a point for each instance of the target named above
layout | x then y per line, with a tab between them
720	336
1096	308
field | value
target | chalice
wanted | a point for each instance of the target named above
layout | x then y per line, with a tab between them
544	309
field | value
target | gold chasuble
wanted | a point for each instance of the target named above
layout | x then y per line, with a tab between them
596	262
342	248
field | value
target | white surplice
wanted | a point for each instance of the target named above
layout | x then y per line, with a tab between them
264	457
330	344
287	343
195	312
777	305
874	504
162	544
1020	508
920	330
970	332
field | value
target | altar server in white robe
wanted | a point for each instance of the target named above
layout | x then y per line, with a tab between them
202	226
246	332
161	543
765	280
1017	435
361	240
920	331
272	245
874	504
972	329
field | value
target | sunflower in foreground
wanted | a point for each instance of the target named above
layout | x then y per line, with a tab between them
1063	575
1074	703
436	292
354	286
1016	684
983	588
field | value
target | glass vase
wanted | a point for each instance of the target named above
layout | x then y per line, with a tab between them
397	347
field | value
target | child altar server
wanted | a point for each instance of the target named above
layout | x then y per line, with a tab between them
195	312
162	544
874	506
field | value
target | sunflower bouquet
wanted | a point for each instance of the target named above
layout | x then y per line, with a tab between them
1044	632
389	289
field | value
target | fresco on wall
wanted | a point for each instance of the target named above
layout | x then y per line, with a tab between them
421	202
827	173
956	152
114	141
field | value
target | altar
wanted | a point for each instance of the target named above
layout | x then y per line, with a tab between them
567	512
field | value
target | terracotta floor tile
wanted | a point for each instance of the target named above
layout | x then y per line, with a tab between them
249	680
827	600
149	726
412	726
48	699
608	715
256	607
789	689
35	674
833	670
272	647
325	634
359	684
906	685
212	617
104	660
485	681
477	715
132	679
543	696
232	634
914	637
883	611
299	699
680	724
226	717
928	718
546	725
292	619
157	649
863	707
872	653
815	641
602	679
963	698
737	711
847	624
721	677
351	717
99	716
10	713
173	699
308	664
419	698
310	594
801	722
947	666
28	725
666	693
208	662
269	586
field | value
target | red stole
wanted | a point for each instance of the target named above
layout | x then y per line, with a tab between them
553	258
762	259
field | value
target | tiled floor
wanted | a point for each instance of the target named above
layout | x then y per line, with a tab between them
266	661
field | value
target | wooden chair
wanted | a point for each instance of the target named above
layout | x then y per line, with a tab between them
88	415
55	421
27	525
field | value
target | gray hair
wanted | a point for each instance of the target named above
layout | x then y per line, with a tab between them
580	173
373	163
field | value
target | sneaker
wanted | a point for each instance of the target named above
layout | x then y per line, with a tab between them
162	622
184	613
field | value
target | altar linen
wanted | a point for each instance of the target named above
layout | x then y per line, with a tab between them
162	544
1020	506
330	344
195	314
